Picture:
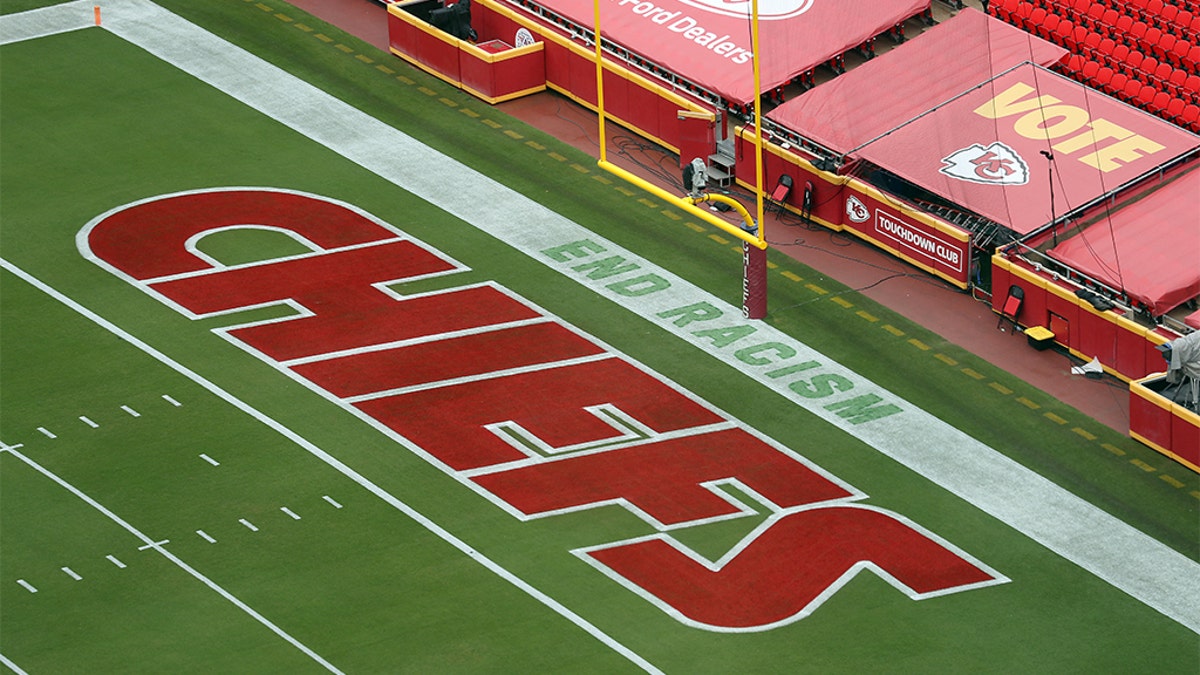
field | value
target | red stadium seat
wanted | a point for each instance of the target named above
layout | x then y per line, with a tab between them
1150	39
1147	67
1153	7
1116	83
1190	117
1162	75
1166	16
1162	49
1130	91
1105	48
1091	42
1192	60
1109	19
1104	76
1133	60
1191	88
1121	27
1036	16
1159	103
1119	55
1182	23
1062	32
1046	28
1179	51
1087	73
1174	108
1176	82
1136	32
1143	97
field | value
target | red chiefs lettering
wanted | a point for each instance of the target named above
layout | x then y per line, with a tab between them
537	415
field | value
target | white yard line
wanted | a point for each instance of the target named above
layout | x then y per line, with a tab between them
152	544
1107	547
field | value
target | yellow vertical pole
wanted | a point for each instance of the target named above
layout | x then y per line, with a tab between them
599	81
758	129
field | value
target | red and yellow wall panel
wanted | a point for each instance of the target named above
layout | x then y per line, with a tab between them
1166	426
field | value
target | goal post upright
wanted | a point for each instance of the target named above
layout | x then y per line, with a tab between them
752	235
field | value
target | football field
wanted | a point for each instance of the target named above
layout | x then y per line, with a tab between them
309	362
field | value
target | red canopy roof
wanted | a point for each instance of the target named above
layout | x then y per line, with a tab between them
708	41
884	93
985	149
1150	249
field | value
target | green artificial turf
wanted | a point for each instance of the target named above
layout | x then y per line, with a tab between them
365	585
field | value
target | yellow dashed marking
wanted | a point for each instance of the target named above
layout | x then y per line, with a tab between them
323	37
1142	465
491	123
535	145
559	158
304	27
842	301
1195	493
365	59
737	249
344	48
647	202
671	215
1113	449
867	315
265	8
771	265
512	134
1054	418
791	275
1171	480
970	372
468	112
408	80
919	345
284	17
384	69
448	102
1085	433
718	238
1027	403
816	289
945	359
429	92
1002	389
893	330
581	168
695	227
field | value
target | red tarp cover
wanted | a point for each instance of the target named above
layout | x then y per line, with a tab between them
932	68
983	150
708	41
1157	240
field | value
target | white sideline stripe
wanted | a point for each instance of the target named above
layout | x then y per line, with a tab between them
172	401
149	543
210	460
8	662
335	463
88	422
289	512
131	411
1075	529
26	585
116	562
71	573
330	500
46	432
205	537
249	525
46	21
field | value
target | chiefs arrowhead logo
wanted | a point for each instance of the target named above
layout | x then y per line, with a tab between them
767	9
996	164
856	210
